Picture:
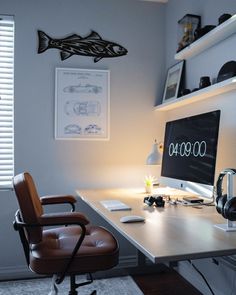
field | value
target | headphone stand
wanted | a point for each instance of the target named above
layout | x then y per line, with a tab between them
229	226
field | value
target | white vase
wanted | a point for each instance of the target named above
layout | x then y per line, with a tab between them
149	188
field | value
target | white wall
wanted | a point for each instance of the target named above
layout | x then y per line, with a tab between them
207	63
63	166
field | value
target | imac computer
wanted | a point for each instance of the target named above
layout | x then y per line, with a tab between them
189	156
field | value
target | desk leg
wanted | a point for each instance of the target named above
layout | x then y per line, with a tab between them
141	259
146	266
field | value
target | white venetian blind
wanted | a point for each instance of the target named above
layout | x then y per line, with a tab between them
6	101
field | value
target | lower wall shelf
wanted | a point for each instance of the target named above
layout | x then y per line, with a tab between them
213	90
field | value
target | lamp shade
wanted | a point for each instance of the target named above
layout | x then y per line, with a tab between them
154	158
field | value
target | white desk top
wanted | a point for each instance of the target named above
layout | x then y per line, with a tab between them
172	233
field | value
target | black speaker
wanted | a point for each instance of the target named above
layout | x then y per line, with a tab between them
227	208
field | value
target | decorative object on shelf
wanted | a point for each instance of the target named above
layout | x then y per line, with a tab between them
92	45
204	82
224	17
187	26
185	92
202	31
82	104
174	82
154	158
228	70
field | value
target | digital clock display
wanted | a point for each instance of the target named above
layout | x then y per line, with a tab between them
190	148
187	149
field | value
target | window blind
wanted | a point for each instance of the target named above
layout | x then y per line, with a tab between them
6	101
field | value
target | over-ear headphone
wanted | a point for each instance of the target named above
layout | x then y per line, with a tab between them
227	208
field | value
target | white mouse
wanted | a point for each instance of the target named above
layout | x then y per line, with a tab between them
132	218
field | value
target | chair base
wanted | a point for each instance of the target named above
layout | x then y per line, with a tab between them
74	285
76	293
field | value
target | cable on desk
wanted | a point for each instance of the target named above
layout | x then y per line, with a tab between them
177	201
203	277
212	202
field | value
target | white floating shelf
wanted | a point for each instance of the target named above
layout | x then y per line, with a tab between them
216	35
213	90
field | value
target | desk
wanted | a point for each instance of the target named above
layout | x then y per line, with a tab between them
169	234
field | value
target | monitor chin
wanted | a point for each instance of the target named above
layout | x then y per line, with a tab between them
202	190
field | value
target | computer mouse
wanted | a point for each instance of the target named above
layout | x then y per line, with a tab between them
132	218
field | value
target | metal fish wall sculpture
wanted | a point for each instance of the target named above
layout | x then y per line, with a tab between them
92	45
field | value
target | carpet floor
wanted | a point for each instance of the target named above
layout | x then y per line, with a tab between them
112	286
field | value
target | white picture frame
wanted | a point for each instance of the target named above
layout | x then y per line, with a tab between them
82	104
173	82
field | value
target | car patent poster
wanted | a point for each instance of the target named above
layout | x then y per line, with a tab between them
82	103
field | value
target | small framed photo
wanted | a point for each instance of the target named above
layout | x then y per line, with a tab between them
82	104
173	81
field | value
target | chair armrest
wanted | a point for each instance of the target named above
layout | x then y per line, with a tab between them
64	218
58	199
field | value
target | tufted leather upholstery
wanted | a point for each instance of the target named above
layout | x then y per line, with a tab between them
50	250
97	252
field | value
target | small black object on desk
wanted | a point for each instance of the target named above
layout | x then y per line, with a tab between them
158	200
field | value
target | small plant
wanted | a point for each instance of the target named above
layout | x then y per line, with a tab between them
149	180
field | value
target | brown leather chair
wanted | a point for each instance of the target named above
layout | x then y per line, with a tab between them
70	246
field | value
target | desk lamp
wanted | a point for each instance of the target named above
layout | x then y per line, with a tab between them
155	157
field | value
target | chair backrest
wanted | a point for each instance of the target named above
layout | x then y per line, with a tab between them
29	203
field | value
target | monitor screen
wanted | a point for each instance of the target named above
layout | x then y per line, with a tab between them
190	147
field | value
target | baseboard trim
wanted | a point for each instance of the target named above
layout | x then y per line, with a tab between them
15	273
127	261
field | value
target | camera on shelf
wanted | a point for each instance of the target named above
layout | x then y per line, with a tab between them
158	200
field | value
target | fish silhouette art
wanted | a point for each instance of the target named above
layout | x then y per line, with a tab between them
92	45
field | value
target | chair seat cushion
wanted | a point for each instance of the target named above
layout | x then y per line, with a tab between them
99	251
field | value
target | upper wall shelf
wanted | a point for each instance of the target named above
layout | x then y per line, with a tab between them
218	34
213	90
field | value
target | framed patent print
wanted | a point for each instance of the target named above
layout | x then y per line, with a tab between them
82	104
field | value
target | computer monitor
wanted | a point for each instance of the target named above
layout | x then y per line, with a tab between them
190	147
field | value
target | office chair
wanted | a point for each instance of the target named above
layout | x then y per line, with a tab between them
69	247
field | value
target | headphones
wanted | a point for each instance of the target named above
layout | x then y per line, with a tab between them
158	200
224	206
